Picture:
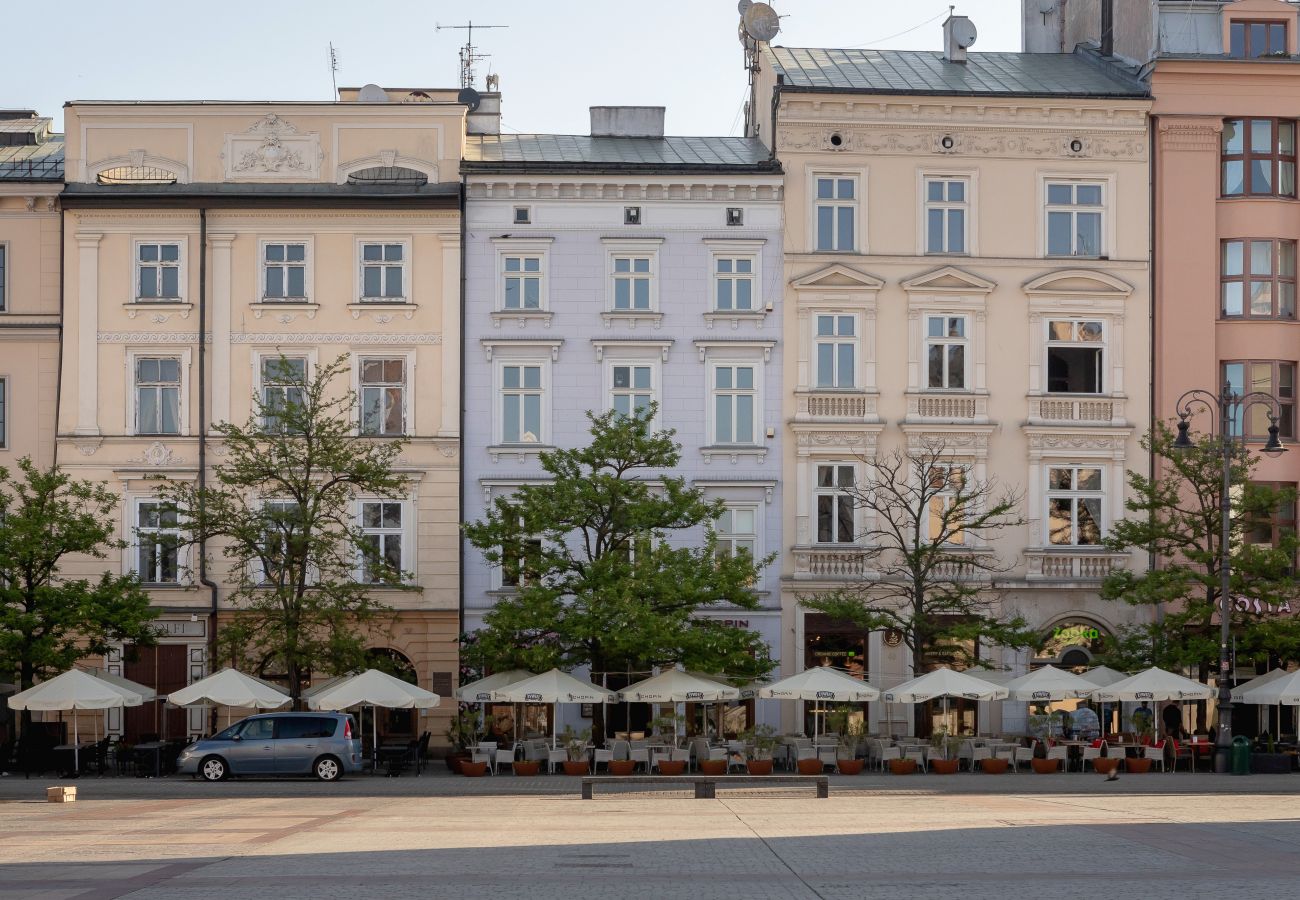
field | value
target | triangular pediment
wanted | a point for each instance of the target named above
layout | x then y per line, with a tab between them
949	280
1079	282
837	277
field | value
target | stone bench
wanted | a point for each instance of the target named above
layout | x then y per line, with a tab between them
706	785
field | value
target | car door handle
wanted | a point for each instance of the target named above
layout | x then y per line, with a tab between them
309	746
267	747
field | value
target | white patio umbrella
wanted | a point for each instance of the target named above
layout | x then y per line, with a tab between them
1154	684
132	687
821	684
552	687
1103	676
1281	689
675	686
944	683
480	691
228	688
1256	684
1046	684
372	688
74	690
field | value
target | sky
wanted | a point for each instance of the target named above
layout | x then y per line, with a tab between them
554	59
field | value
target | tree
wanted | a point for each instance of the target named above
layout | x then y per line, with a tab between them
282	504
49	621
1174	515
927	538
599	583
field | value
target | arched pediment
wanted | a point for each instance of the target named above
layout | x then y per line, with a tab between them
386	159
949	280
837	277
149	167
1079	282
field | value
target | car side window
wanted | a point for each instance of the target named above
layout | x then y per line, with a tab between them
298	727
258	730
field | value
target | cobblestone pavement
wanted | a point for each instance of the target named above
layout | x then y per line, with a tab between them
972	836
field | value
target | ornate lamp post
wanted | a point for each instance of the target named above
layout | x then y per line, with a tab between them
1228	407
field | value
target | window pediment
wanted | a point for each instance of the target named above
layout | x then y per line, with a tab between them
837	277
949	280
1077	283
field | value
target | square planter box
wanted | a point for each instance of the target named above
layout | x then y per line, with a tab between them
60	794
1262	764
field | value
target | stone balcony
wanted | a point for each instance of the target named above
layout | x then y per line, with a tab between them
830	563
1082	410
1072	564
838	405
947	406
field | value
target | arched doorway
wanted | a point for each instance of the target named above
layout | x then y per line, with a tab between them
1070	644
393	723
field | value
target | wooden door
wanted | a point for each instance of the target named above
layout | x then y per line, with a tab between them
165	668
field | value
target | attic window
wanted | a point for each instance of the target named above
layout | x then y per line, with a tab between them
389	175
136	175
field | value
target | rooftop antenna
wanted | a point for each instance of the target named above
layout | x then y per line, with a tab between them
468	53
759	24
334	70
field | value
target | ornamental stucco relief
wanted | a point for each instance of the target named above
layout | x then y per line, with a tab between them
272	148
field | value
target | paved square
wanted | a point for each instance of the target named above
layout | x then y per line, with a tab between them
440	836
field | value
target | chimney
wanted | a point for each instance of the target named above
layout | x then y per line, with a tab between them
958	34
1107	27
627	121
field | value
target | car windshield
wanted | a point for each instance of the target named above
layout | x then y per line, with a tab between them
228	733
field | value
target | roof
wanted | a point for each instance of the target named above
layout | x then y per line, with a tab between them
28	151
578	153
927	72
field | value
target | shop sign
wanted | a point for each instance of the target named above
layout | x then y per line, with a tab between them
893	637
1260	608
736	623
179	628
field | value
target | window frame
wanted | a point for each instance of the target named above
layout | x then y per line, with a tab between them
408	288
259	568
1255	415
1102	210
613	277
1246	278
136	531
504	276
1277	523
263	265
836	340
730	538
498	401
181	266
756	392
856	204
134	359
1247	156
1049	343
946	206
946	341
716	278
834	491
633	363
1075	494
1245	25
946	494
257	357
404	532
408	386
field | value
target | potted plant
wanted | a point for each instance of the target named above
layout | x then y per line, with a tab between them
760	741
1265	760
1139	765
712	766
946	746
902	766
575	748
994	766
527	766
846	751
462	732
471	769
1104	765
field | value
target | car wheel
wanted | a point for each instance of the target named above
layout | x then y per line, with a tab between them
213	768
327	768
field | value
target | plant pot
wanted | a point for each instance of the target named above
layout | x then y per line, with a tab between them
473	769
527	767
672	766
1105	765
902	766
758	766
621	766
455	759
810	766
944	766
575	767
994	766
1137	765
849	766
713	767
1045	766
1270	763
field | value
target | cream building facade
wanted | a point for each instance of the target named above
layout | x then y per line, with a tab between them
966	261
204	239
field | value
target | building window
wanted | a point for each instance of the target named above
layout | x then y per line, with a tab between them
737	531
631	389
158	271
522	282
157	395
834	497
521	404
383	396
4	293
837	343
381	540
281	542
1257	279
945	352
1075	356
383	273
946	483
945	215
735	215
284	271
1074	506
735	401
518	569
1269	377
523	215
1074	211
631	215
836	209
1259	157
284	380
158	537
733	280
1251	40
1280	524
631	283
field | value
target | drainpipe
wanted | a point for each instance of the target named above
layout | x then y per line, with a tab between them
464	343
203	437
58	376
1153	561
776	102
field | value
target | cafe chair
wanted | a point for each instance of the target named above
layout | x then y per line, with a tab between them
1156	753
1061	752
1094	751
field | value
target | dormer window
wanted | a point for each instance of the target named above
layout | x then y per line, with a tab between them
136	175
389	175
1251	40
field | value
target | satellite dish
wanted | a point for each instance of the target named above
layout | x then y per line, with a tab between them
470	98
744	5
964	33
372	93
761	22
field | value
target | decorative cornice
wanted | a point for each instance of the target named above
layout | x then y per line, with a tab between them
949	142
1198	136
700	188
280	337
150	337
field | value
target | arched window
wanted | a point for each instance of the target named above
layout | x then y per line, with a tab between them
389	175
136	175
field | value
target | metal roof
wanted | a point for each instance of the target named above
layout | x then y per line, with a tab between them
583	153
28	151
927	72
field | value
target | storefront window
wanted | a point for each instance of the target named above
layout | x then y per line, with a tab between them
843	646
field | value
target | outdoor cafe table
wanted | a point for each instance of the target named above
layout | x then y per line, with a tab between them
148	758
65	756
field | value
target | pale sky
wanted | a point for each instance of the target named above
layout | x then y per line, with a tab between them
555	59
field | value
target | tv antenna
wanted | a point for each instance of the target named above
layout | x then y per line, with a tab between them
469	54
334	70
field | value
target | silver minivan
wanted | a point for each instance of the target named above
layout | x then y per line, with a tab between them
325	745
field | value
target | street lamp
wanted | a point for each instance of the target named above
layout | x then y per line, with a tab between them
1228	406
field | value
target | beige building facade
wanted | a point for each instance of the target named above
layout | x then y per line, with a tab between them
203	240
966	262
